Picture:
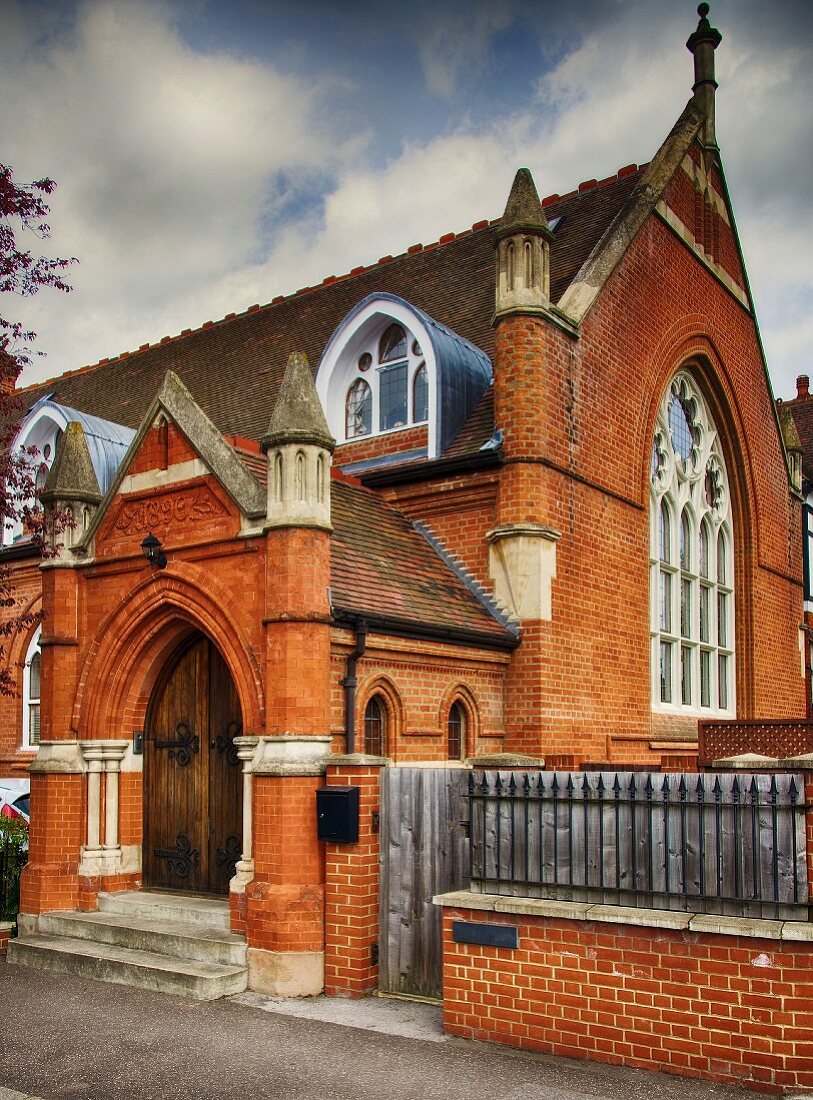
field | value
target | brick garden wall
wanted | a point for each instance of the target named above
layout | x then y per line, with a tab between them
734	1008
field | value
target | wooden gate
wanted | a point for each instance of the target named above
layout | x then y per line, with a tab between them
424	851
192	776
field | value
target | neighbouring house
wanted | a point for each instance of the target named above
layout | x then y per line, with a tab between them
520	491
796	418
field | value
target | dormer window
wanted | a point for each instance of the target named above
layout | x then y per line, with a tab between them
389	369
395	390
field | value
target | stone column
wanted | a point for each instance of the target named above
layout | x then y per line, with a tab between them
92	754
244	868
113	753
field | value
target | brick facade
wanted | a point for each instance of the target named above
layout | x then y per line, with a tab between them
730	1008
318	590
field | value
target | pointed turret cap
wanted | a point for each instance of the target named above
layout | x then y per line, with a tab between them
523	211
790	433
72	476
298	415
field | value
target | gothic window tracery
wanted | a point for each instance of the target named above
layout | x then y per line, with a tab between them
691	558
394	390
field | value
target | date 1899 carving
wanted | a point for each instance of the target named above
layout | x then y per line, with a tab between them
143	515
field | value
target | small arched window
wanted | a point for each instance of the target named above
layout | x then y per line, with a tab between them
375	727
32	688
321	478
163	444
456	732
420	395
392	379
278	486
300	480
358	410
393	345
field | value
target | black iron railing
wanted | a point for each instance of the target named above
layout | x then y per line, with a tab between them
731	844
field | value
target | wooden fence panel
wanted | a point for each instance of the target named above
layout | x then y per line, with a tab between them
424	852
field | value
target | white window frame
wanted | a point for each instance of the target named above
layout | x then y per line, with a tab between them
42	432
693	656
339	369
33	648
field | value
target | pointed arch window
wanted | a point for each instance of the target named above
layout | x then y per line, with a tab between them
456	732
358	419
32	692
691	559
375	727
393	345
388	385
420	395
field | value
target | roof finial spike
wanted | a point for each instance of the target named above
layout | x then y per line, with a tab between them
702	45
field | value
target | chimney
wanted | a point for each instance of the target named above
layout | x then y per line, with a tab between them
803	385
702	45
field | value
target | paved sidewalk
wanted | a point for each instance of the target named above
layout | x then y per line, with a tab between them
64	1038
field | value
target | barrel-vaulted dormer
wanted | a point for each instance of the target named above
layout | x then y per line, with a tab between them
390	367
41	431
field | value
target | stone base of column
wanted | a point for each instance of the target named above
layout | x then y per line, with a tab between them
47	886
286	973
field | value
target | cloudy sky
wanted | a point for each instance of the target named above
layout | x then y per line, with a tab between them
214	154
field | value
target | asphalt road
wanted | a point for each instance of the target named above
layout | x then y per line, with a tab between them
63	1038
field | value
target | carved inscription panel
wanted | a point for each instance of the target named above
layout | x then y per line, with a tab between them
192	506
189	513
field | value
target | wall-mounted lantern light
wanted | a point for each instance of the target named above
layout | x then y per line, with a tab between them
153	553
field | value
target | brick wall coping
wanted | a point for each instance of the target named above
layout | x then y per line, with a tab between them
358	760
618	914
754	761
6	925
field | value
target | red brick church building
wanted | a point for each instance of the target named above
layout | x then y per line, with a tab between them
520	491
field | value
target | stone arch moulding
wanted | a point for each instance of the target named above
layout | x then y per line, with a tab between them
133	642
17	647
686	346
387	690
460	692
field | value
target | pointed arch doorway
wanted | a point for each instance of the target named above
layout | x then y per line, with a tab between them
192	775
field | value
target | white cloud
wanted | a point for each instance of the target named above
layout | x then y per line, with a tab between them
454	44
172	163
166	159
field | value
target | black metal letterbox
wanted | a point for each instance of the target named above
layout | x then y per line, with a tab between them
337	814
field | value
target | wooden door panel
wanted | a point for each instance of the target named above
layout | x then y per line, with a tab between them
193	780
225	776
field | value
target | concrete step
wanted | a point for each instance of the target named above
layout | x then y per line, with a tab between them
202	981
176	908
173	938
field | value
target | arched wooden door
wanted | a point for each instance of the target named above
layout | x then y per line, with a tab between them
192	776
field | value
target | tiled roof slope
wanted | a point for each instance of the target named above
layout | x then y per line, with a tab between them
802	410
380	565
234	367
478	429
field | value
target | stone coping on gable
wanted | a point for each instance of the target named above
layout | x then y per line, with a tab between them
798	931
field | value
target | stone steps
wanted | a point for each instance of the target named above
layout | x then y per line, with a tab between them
188	909
162	942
